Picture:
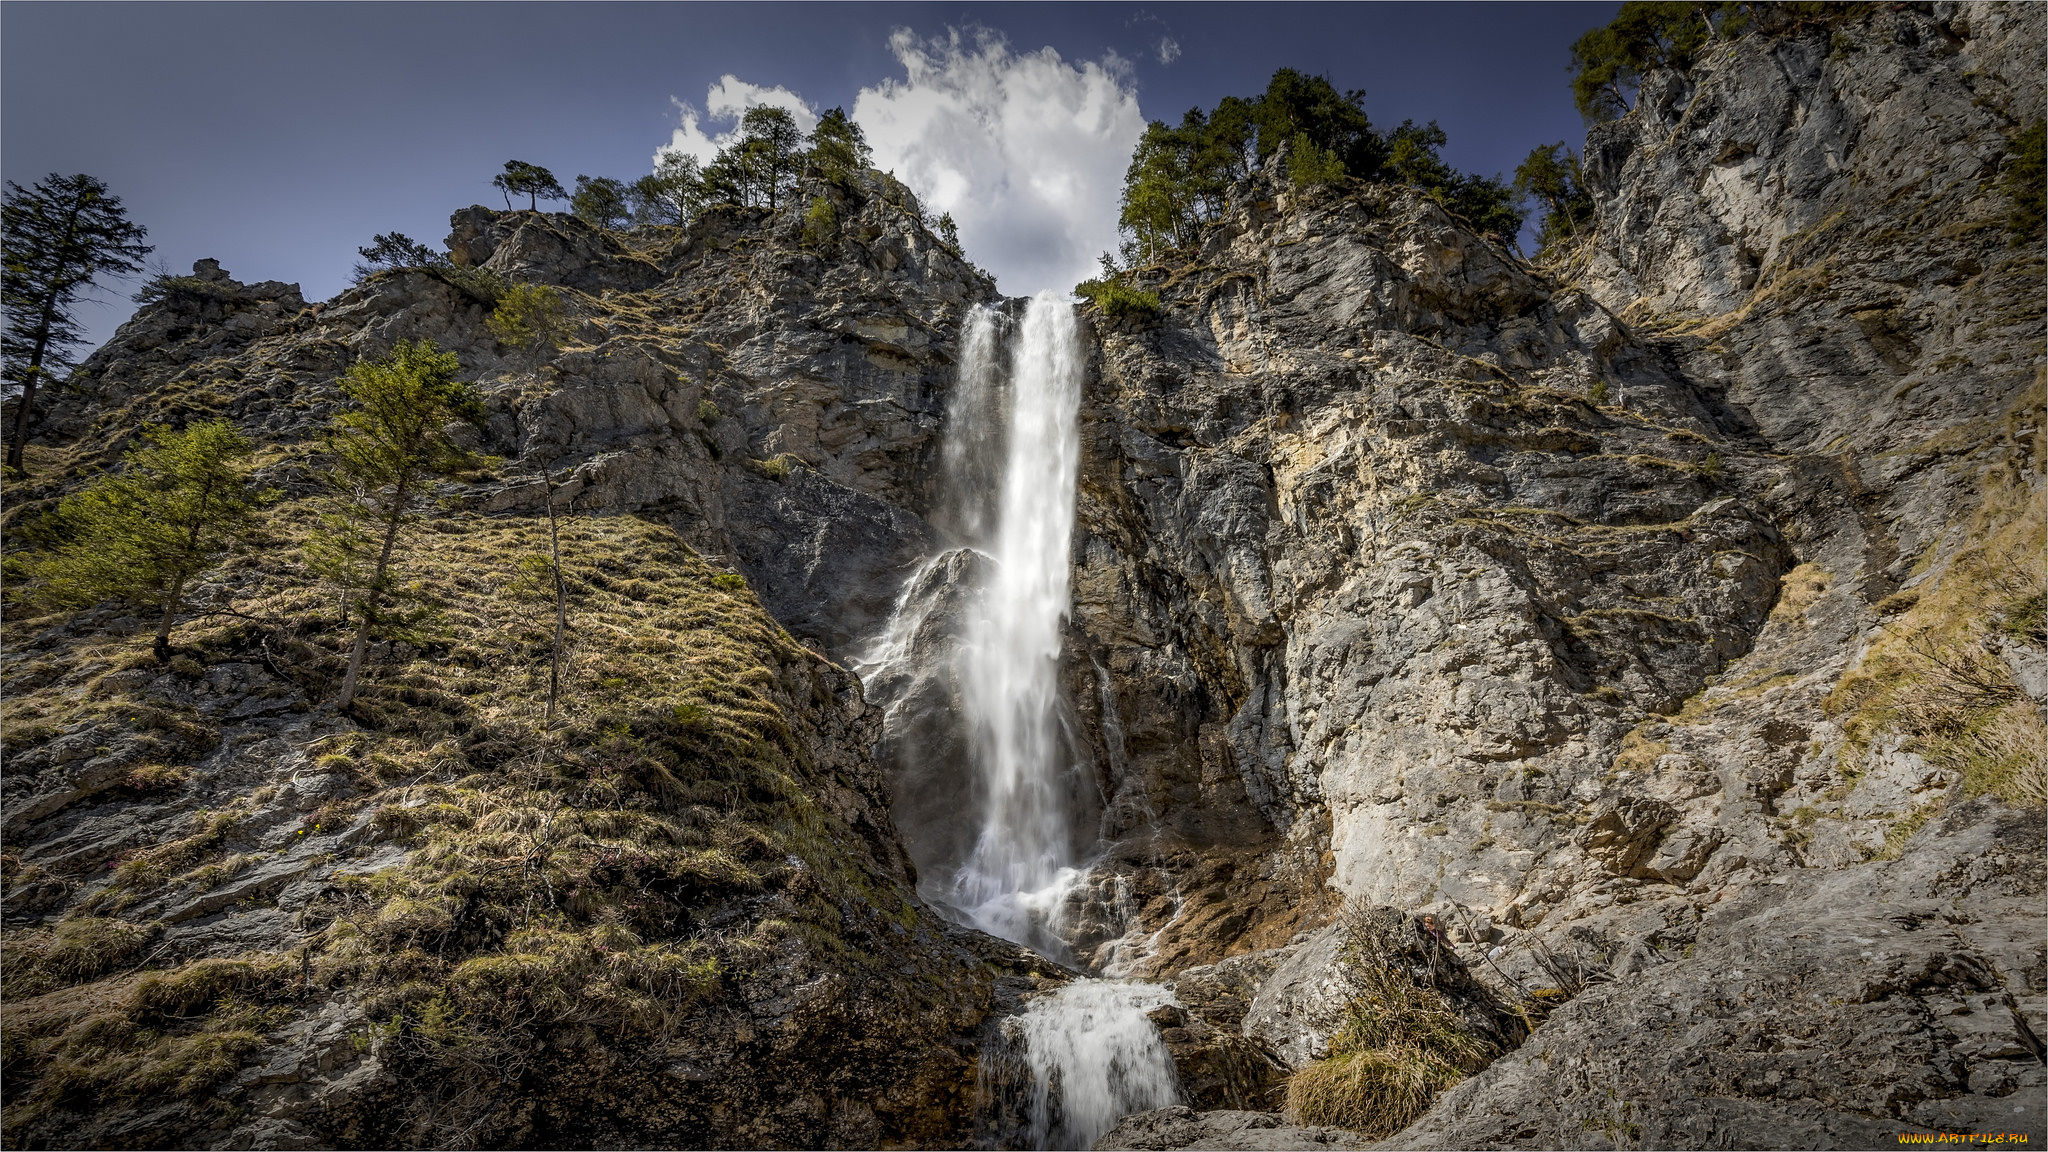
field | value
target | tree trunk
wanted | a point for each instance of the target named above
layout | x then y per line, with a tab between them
362	642
176	599
162	647
17	441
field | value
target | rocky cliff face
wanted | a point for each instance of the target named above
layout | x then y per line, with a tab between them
1623	610
681	914
1665	622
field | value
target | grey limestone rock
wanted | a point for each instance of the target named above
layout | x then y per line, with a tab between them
1183	1127
1836	1009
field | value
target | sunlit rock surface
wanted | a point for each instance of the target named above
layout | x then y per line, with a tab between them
1579	607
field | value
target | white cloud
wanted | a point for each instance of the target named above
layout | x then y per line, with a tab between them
1169	49
727	101
1026	151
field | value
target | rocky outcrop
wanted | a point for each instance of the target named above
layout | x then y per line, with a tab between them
1829	1009
1222	1061
434	919
1371	556
1617	613
777	401
1184	1127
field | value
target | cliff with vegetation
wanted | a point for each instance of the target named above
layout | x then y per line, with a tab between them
1663	619
1594	701
238	916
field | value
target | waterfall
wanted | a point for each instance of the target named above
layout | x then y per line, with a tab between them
1094	1057
971	455
1024	855
993	800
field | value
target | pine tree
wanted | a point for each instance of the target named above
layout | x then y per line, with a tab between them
59	235
1311	166
389	250
839	149
1296	103
776	143
1552	177
671	194
386	448
1180	178
601	202
1610	62
760	166
529	180
1413	158
177	506
1158	201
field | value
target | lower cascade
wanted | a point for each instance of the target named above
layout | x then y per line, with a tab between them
1008	767
1094	1057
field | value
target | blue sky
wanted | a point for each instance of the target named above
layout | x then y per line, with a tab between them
278	137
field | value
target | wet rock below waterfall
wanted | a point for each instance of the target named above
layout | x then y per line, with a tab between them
1183	1127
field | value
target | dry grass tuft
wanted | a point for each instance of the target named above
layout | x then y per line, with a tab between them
1936	676
77	949
1404	1038
1797	591
177	1034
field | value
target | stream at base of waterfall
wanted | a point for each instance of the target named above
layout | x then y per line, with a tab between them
1002	757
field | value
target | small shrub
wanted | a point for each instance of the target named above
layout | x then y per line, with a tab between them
529	316
1403	1039
1117	300
708	413
1311	167
2025	620
2026	181
730	581
774	468
1598	393
183	291
821	223
154	778
81	948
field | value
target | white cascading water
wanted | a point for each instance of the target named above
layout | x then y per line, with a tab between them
1024	858
1091	1044
972	454
1092	1054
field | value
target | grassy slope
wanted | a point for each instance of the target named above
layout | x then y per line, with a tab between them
574	897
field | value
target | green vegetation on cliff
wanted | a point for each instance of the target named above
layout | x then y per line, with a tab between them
173	511
554	906
1180	177
1407	1033
471	921
1552	177
1609	63
384	450
2026	181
